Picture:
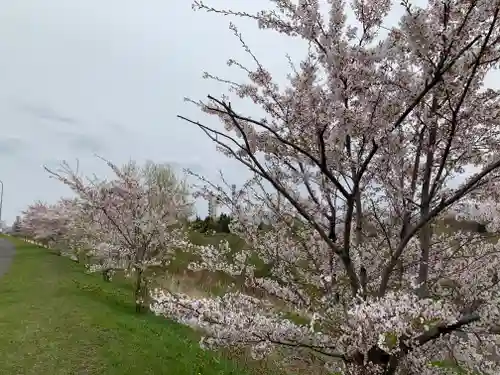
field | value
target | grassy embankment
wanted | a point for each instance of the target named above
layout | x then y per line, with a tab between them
55	319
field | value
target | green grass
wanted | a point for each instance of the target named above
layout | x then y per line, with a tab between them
55	319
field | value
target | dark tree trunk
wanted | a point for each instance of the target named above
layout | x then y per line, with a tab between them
138	294
106	275
377	356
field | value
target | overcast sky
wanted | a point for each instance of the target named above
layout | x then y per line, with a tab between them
106	77
109	77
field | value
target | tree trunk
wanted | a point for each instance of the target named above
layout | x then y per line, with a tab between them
425	207
138	291
106	276
375	355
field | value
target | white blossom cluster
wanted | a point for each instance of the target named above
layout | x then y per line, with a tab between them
352	161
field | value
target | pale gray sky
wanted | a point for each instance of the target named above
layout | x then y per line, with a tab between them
109	77
106	77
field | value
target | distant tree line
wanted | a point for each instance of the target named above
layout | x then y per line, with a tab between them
210	224
219	224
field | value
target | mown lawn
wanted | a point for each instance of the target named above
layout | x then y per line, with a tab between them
55	319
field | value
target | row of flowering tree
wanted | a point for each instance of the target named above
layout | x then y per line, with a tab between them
360	147
352	163
131	222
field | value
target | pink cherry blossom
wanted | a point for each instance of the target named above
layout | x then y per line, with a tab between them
132	220
352	163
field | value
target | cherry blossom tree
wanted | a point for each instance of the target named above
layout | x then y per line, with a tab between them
134	218
59	224
35	222
360	148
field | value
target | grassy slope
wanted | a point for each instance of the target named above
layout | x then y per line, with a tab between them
55	319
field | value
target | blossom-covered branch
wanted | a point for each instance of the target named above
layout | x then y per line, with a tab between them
352	164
